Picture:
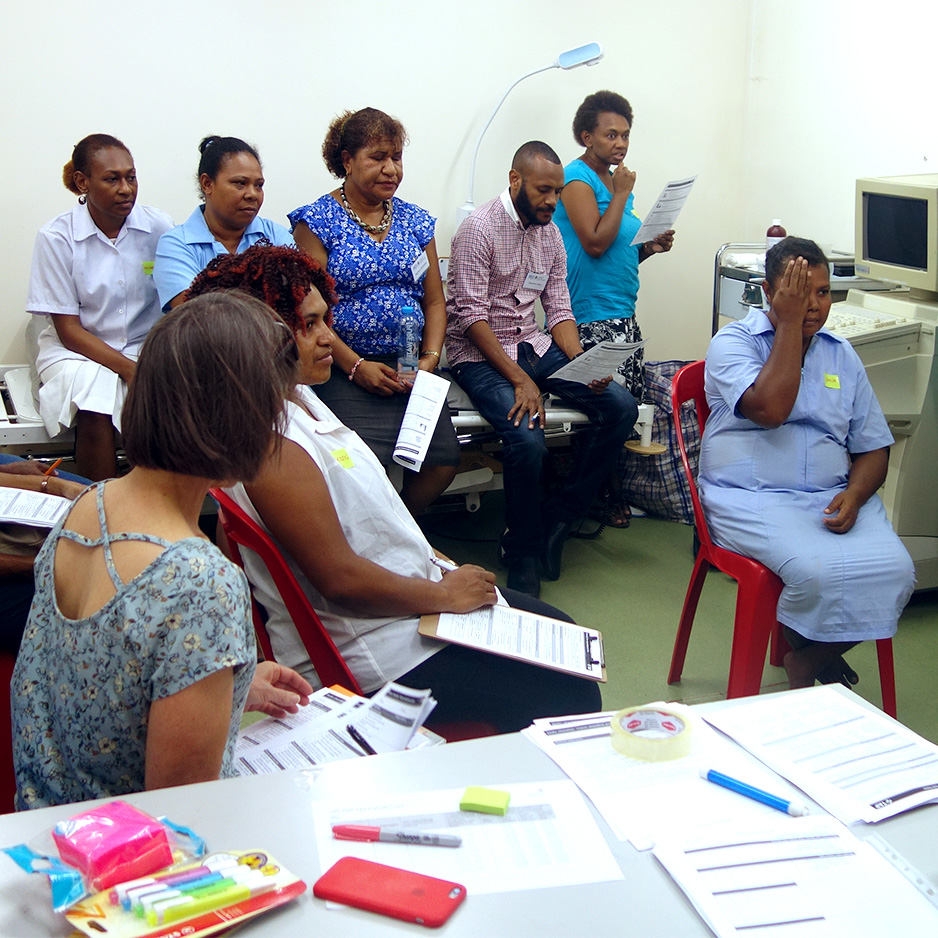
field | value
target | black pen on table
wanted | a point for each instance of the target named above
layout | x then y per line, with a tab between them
360	740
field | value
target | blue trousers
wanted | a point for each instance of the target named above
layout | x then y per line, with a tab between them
612	415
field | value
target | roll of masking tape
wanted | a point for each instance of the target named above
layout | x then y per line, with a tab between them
655	732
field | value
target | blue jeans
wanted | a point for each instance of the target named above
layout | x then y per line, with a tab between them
612	415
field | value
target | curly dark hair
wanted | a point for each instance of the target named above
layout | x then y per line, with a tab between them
778	256
355	129
587	114
281	277
83	153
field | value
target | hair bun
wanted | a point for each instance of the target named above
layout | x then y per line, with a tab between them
207	142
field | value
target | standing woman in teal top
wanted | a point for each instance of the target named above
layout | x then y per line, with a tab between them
598	222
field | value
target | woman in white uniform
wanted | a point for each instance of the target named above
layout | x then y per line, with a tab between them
354	547
92	273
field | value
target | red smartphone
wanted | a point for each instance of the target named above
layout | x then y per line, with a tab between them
391	891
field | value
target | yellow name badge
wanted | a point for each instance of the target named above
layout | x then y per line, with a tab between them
343	459
148	268
832	381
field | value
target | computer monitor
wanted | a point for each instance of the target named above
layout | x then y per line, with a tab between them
897	230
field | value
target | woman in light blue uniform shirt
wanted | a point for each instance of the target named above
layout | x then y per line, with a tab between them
231	181
794	451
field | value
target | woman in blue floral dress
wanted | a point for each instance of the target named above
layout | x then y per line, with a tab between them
382	254
138	656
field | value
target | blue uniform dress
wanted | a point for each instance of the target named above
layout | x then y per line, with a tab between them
764	491
185	250
604	290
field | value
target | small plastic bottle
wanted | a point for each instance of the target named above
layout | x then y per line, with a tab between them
775	233
408	344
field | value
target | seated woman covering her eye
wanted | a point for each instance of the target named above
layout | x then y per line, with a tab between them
794	450
355	549
138	655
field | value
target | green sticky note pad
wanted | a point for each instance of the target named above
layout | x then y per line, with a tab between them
486	800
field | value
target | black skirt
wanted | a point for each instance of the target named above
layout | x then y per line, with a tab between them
377	419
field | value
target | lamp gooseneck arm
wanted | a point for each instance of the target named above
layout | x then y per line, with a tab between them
475	152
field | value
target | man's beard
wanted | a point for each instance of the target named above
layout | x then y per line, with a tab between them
526	209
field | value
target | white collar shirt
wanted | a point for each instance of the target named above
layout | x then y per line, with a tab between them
493	258
78	271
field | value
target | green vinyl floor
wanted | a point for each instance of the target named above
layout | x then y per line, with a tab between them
630	585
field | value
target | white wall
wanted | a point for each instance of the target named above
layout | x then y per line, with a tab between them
777	106
839	89
161	76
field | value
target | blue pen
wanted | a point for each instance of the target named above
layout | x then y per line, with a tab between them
794	808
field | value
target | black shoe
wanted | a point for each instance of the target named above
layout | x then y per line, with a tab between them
523	576
557	535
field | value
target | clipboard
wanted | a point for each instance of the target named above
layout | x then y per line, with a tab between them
449	627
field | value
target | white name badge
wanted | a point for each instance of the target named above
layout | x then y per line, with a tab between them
535	282
420	266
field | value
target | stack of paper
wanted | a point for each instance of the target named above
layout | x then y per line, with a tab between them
524	636
643	801
856	762
548	837
335	724
795	877
21	506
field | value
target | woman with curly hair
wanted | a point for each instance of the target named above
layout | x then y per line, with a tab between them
91	274
355	549
382	254
597	219
231	186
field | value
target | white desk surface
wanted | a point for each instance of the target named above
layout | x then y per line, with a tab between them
270	812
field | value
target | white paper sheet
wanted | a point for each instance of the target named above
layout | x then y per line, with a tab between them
664	212
602	360
424	404
858	763
389	720
21	506
527	637
547	838
643	801
318	733
799	877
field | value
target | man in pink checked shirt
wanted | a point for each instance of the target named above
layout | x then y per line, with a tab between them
504	256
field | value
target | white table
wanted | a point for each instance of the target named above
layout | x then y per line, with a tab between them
271	812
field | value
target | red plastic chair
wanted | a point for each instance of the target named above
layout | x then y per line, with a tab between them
758	588
241	530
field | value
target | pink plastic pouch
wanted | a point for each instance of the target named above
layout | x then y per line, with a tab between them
112	843
109	844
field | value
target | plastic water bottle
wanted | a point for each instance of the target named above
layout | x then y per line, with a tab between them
408	344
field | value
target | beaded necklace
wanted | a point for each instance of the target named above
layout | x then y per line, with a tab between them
377	229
